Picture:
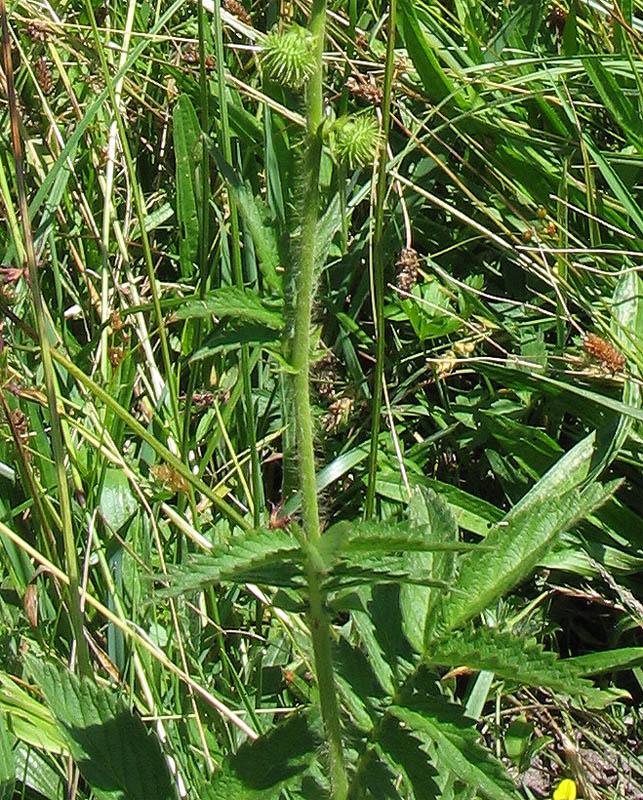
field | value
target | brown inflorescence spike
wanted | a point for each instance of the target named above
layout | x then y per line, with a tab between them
604	352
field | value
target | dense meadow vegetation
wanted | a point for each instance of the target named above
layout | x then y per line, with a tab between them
321	434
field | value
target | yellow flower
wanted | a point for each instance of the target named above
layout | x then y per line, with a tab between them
566	790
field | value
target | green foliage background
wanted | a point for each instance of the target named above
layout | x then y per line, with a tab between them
482	543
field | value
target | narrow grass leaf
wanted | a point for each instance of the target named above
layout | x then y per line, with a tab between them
7	764
434	80
624	658
616	101
186	135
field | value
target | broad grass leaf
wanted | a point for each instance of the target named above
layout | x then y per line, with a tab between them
624	658
256	217
509	657
117	501
7	763
230	301
616	101
456	746
471	513
115	753
30	721
36	772
260	556
627	308
186	136
434	80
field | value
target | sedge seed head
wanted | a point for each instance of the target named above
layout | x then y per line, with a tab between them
287	56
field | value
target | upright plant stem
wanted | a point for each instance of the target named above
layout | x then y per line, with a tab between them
378	260
304	279
67	525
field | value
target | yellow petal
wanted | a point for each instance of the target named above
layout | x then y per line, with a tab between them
566	790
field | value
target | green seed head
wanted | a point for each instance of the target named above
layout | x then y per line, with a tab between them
354	139
287	56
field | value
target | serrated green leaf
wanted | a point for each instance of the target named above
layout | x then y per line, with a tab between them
231	336
230	301
261	769
360	690
518	543
509	657
402	749
366	569
115	753
456	743
379	626
359	538
260	556
226	785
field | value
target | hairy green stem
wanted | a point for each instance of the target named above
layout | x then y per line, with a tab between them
66	518
302	299
378	260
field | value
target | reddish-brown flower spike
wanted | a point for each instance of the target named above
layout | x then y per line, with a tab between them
603	351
